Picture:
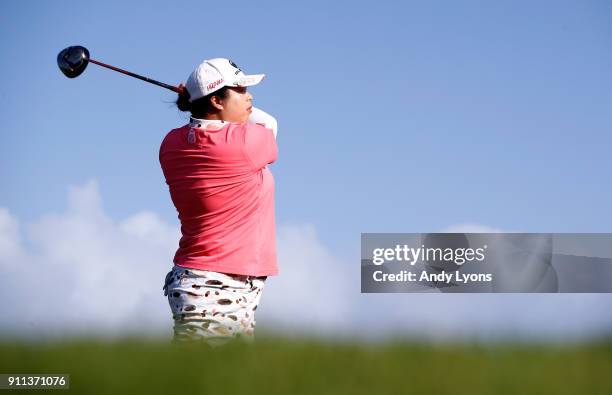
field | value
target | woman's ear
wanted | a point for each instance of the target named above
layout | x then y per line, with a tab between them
217	102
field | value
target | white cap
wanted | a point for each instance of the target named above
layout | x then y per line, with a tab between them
213	74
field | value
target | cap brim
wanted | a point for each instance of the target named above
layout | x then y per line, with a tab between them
250	80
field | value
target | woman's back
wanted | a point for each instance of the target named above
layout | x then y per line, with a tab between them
224	194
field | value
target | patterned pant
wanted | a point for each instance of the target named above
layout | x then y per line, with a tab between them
212	307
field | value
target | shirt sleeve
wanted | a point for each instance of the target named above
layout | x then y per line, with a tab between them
259	145
261	117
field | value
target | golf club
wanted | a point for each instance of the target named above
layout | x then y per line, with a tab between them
72	61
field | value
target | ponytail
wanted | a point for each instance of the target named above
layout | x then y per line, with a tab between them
182	102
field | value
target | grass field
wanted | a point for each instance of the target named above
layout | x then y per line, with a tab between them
283	366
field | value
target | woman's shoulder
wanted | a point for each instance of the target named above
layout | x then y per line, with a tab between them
243	129
174	135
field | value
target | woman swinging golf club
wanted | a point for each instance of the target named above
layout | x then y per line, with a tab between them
217	174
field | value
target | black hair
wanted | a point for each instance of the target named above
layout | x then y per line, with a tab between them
201	107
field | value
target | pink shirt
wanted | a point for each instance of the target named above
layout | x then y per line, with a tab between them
224	193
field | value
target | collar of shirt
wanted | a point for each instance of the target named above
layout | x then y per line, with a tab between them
204	123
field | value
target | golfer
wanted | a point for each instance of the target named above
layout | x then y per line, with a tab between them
216	168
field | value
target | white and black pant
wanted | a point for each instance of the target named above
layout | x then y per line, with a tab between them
212	307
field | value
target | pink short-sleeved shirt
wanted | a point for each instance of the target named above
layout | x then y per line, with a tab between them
224	193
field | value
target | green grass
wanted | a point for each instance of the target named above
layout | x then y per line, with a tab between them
283	366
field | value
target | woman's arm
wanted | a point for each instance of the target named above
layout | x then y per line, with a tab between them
263	118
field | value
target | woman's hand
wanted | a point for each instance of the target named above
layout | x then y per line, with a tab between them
263	118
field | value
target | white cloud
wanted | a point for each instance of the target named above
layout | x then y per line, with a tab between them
79	271
312	292
85	272
9	236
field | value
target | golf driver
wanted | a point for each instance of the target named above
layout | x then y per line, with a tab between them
72	61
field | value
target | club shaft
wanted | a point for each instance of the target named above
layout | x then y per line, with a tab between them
140	77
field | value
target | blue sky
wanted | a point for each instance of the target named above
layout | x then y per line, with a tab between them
393	116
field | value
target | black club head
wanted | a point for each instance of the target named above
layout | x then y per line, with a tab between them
72	61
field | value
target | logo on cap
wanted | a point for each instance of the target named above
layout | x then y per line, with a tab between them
236	67
212	85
